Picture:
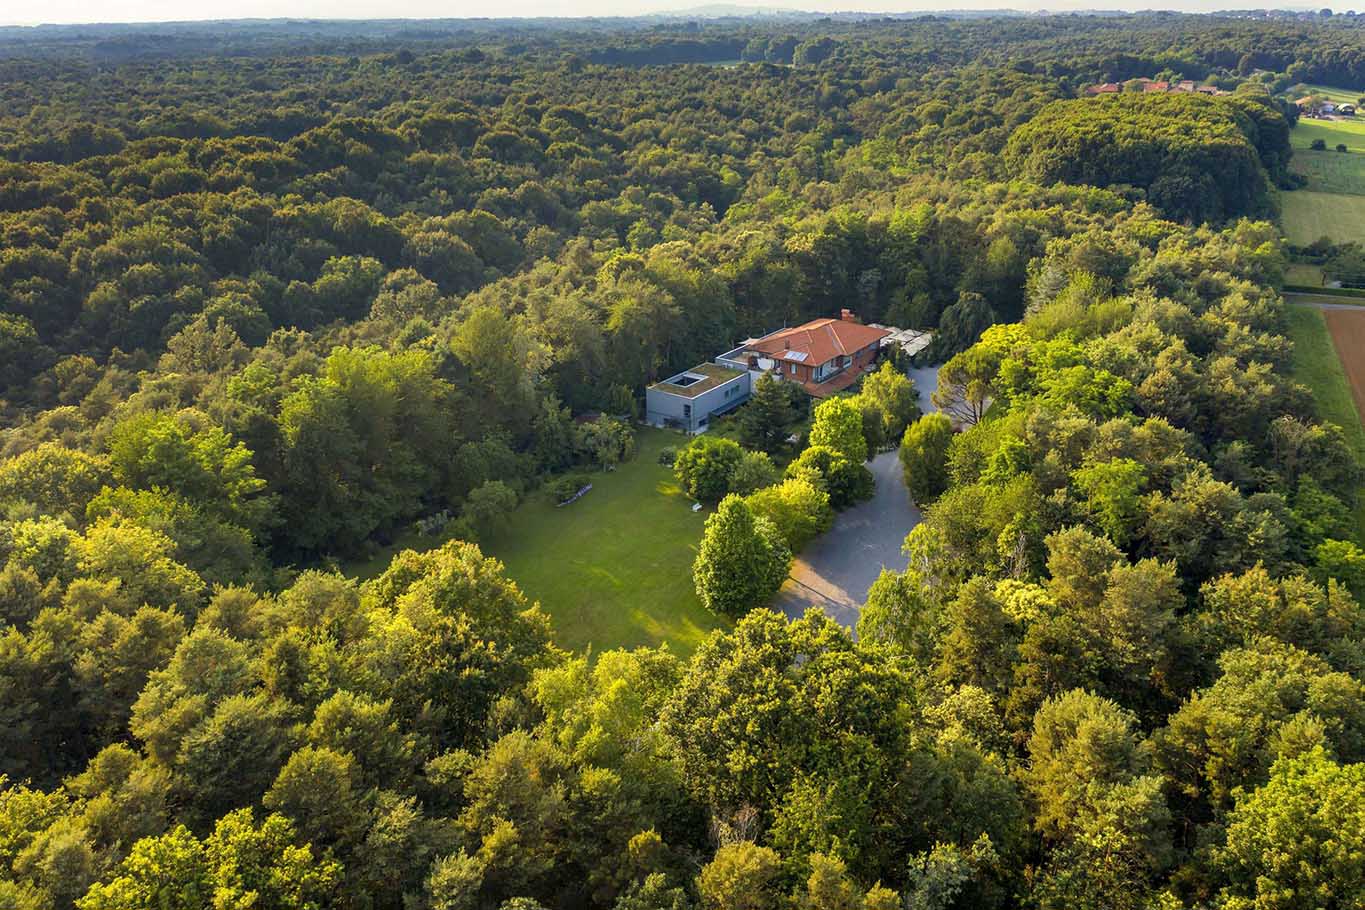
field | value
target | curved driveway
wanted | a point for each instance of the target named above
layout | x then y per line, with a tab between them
836	569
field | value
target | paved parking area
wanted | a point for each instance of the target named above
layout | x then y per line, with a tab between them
835	570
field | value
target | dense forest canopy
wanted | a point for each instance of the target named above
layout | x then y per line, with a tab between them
271	294
1197	158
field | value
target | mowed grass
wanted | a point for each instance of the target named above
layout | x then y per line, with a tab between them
1317	366
1308	215
614	569
1304	274
1330	171
1331	93
1348	130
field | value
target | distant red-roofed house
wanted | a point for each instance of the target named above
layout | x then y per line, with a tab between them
1108	88
1156	86
824	355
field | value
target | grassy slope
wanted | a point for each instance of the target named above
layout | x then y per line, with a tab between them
1303	273
1309	215
1330	171
1333	203
1316	365
614	569
1339	95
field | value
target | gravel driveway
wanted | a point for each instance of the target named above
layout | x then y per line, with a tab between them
836	569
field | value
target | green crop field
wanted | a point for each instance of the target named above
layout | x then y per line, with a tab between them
1330	171
1308	215
1351	132
1304	274
1333	202
1318	367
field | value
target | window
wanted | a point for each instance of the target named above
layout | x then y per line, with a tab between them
792	368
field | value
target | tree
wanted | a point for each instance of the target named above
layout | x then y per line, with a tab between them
1079	741
203	465
742	560
54	479
891	395
966	384
838	426
605	441
318	789
754	471
1298	837
924	457
706	465
1344	561
239	864
899	613
362	443
797	508
1267	698
765	419
1113	492
847	482
960	326
489	507
742	876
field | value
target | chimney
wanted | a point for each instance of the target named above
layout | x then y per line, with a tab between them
847	315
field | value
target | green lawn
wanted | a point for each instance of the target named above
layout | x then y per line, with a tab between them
1317	366
1305	274
612	570
1330	171
1308	215
1348	130
1331	93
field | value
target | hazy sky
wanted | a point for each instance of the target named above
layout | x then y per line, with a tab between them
29	12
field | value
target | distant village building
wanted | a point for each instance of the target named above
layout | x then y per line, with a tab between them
1317	106
1153	85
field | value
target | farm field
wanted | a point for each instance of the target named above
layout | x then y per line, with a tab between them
1303	273
612	570
1308	215
1330	171
1350	131
1318	366
1347	328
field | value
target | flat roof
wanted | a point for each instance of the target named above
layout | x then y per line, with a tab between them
713	374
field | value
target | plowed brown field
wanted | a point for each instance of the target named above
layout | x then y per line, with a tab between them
1348	335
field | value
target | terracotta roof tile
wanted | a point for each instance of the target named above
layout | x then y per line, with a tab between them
818	341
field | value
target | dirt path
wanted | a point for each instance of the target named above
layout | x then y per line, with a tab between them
1348	336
